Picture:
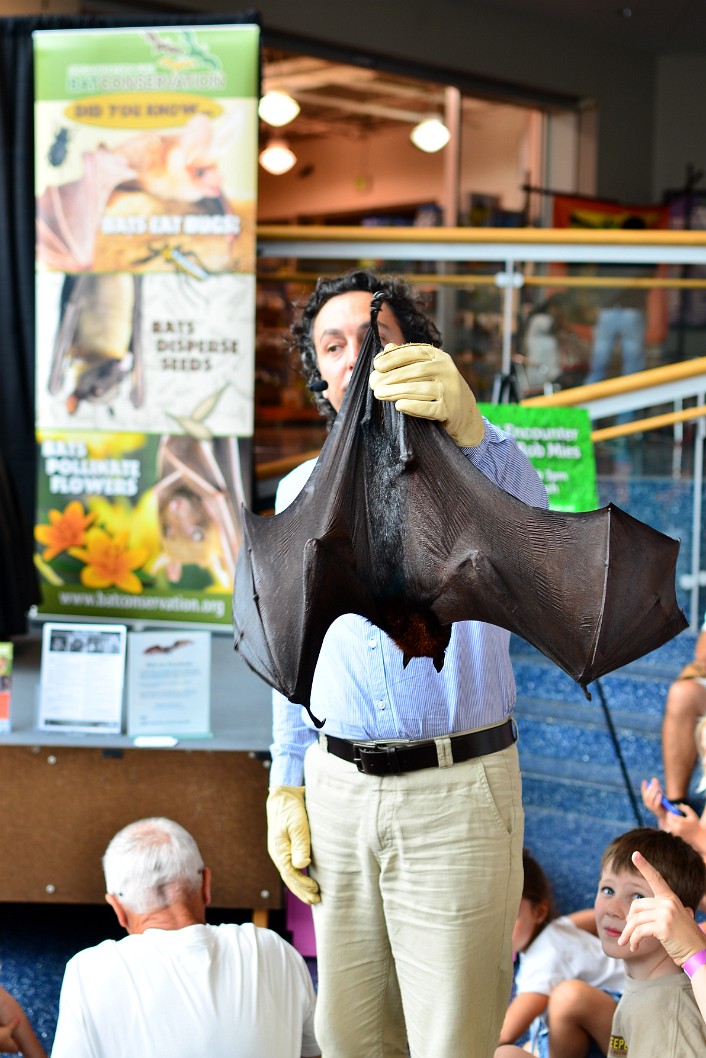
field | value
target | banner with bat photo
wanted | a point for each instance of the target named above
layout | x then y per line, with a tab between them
146	191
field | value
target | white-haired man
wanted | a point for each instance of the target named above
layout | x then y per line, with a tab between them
175	985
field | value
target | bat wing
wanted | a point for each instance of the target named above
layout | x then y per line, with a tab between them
286	598
72	292
69	215
593	591
397	525
137	380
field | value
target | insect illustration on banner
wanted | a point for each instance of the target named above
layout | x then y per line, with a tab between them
59	149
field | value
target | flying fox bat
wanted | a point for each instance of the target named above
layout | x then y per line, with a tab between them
199	495
98	343
397	525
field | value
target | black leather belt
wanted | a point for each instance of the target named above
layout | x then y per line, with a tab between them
393	759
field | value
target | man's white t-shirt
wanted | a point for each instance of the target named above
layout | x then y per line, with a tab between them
217	991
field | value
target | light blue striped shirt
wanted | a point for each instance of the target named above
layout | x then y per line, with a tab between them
360	686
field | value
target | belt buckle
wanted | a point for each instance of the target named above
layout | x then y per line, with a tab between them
363	755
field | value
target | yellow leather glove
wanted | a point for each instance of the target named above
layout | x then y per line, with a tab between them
424	381
289	840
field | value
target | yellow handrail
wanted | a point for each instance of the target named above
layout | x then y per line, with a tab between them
540	236
488	279
653	422
612	387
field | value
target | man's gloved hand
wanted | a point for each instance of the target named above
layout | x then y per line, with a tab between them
424	381
289	840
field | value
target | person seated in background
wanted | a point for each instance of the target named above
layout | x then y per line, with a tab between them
16	1033
685	705
176	986
656	1016
551	950
678	817
665	917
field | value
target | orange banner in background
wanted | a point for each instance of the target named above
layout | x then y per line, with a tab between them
574	211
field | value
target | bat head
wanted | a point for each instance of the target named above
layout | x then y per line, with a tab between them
98	383
189	534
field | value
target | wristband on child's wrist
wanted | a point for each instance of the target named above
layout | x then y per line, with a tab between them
694	963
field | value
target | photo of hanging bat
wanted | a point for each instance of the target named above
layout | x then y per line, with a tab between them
199	497
395	524
97	344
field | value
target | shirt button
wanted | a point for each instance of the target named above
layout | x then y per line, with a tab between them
381	705
371	644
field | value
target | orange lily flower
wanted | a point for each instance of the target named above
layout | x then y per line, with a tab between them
67	529
109	561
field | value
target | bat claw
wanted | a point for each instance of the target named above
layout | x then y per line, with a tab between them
317	723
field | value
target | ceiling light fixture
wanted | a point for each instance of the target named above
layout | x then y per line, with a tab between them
277	158
430	135
278	108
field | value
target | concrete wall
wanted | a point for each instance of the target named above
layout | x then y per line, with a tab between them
680	120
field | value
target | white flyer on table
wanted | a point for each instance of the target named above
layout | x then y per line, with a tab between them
82	678
169	684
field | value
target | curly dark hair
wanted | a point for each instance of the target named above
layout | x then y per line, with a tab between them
407	306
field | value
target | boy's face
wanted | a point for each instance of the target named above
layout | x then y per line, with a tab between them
616	892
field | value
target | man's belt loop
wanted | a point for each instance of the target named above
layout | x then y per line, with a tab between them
444	752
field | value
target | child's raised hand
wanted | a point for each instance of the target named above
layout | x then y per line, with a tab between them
663	916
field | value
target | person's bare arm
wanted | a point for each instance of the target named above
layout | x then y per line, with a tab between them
16	1033
700	649
521	1013
585	919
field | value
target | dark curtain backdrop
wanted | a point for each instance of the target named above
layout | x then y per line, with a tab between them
18	583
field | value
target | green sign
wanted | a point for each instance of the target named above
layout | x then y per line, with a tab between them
142	63
557	441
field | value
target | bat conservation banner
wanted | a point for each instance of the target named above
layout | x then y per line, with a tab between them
146	185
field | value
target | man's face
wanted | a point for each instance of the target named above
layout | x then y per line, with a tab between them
339	330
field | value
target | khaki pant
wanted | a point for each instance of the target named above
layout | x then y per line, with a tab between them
421	879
